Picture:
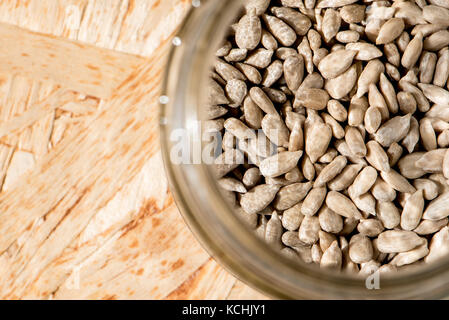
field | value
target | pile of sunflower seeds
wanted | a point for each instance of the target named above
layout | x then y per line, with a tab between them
339	110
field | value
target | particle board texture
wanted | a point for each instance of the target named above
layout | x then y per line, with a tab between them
85	209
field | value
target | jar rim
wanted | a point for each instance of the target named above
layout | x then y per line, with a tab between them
204	209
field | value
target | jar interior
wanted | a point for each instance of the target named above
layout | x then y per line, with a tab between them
209	214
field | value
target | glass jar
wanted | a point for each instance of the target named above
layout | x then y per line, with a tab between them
208	214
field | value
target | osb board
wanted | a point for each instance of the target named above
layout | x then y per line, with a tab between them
85	211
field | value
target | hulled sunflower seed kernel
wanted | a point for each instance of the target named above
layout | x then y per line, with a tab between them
345	179
393	130
330	221
437	209
340	86
332	257
360	249
394	153
395	241
413	211
318	137
390	30
258	198
370	227
353	13
298	21
316	99
430	226
280	30
336	63
280	163
316	253
292	217
313	201
342	205
409	257
273	231
373	119
290	195
377	157
366	203
309	230
364	181
259	58
259	5
294	71
412	52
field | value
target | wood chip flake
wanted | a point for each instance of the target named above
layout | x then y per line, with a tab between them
74	65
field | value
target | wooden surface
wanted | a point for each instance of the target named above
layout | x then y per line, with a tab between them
85	210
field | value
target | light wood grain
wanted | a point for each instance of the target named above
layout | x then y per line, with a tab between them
37	112
85	210
74	65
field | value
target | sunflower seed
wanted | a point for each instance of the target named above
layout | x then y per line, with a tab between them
309	230
435	94
341	85
292	217
360	249
279	163
412	52
306	52
411	256
294	72
330	171
330	221
316	99
397	181
364	181
370	227
276	130
365	51
428	136
313	201
272	73
395	241
436	14
259	5
376	156
331	24
290	195
408	168
439	245
413	210
341	205
299	22
429	227
318	137
345	178
432	161
250	72
394	130
388	214
332	257
273	231
442	68
369	75
437	209
365	202
260	58
280	30
390	30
